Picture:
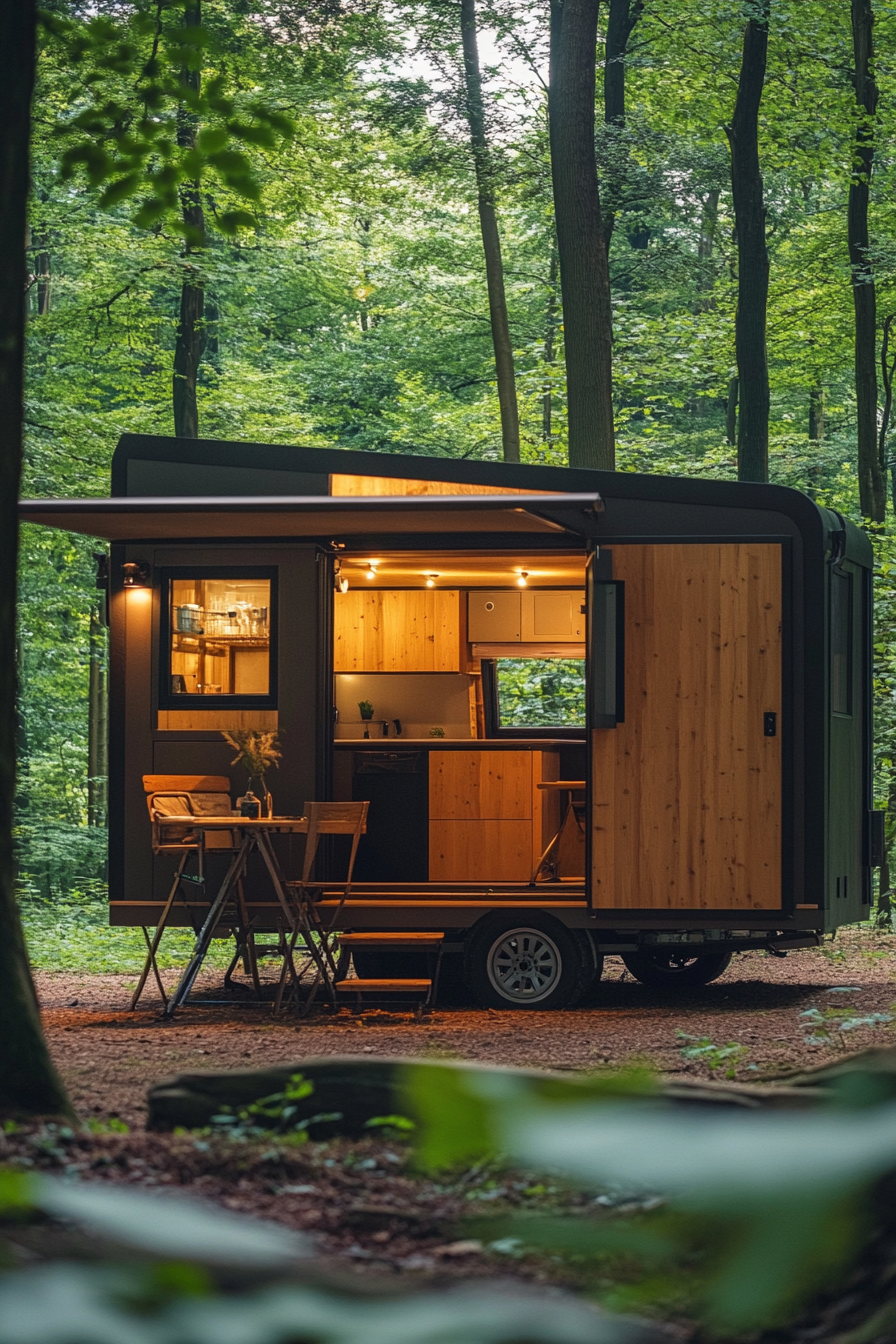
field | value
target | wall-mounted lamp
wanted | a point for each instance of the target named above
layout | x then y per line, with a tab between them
431	580
135	574
521	581
371	571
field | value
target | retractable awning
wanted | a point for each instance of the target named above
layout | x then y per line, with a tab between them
315	516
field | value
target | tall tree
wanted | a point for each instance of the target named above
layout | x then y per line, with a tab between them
188	344
872	479
28	1081
491	239
621	19
752	252
581	243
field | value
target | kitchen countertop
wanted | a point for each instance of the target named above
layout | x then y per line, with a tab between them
456	743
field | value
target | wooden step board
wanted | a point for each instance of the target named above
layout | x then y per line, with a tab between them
415	940
383	986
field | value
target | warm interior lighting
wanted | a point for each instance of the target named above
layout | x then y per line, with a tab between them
431	580
521	581
371	571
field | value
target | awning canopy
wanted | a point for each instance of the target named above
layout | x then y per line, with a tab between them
315	516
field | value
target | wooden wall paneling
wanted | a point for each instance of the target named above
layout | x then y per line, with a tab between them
480	785
392	486
610	814
215	720
470	851
696	797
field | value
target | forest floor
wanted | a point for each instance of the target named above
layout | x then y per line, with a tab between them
369	1212
750	1024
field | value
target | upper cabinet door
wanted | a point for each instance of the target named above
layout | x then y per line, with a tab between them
397	630
547	615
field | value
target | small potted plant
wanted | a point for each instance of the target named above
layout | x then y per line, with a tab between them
366	709
258	752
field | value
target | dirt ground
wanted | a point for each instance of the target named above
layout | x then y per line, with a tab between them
108	1056
367	1212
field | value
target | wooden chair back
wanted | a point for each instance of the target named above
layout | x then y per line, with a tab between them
177	795
333	819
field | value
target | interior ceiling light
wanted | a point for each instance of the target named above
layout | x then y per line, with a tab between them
524	575
371	571
431	580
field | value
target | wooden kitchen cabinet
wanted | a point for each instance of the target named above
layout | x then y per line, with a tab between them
480	785
397	630
487	819
473	851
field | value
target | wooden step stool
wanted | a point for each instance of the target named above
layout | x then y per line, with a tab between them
423	942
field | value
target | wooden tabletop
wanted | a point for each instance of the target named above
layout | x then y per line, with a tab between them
295	824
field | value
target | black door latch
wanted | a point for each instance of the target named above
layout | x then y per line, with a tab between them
770	724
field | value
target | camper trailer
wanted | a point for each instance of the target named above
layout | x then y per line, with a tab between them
593	713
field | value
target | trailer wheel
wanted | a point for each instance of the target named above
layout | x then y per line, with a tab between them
526	961
667	969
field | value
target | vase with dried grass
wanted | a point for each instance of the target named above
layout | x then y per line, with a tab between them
257	752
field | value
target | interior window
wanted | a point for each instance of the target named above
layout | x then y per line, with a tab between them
540	692
220	637
841	642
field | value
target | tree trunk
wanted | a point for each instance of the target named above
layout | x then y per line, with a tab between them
752	255
188	345
872	482
491	240
550	331
584	276
29	1083
621	20
731	412
42	272
816	413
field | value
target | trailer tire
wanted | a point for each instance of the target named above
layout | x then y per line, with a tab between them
667	970
527	961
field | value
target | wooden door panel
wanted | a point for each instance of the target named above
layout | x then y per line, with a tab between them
473	851
687	791
480	785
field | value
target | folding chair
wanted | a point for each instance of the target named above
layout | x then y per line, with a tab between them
348	819
169	796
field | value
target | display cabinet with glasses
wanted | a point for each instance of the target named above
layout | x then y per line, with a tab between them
218	638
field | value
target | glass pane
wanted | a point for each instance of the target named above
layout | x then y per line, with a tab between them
220	636
841	643
541	692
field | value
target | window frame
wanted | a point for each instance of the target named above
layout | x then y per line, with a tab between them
167	699
492	710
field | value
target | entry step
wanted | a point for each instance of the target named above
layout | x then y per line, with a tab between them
383	986
427	939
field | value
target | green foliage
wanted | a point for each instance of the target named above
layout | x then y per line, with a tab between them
275	1114
773	1204
69	931
829	1024
715	1057
543	692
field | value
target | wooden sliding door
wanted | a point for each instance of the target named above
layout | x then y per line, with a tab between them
687	790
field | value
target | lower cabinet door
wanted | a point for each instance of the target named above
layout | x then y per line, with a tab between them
473	851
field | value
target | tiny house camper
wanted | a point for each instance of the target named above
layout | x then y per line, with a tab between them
593	713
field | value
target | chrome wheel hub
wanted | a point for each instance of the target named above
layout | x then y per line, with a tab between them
524	965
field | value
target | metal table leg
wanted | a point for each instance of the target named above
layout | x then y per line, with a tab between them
204	937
